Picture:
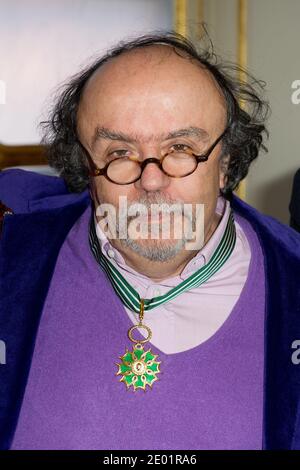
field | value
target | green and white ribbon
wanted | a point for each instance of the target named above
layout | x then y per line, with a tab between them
130	296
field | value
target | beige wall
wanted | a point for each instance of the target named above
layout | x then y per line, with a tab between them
273	41
43	42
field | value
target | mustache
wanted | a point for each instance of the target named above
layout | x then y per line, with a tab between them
163	203
156	212
157	204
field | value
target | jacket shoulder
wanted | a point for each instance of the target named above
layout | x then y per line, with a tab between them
19	187
274	233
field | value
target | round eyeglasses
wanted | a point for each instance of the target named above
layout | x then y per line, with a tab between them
175	163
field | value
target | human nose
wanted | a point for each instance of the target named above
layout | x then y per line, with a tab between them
152	177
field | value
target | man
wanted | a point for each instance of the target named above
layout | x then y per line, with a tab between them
148	342
295	203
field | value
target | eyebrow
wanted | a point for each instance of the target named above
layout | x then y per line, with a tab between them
107	134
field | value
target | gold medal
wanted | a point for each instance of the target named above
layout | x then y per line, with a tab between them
139	367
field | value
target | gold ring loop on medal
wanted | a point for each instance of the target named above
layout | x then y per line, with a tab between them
141	341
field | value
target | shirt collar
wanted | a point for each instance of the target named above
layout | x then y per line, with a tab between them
204	255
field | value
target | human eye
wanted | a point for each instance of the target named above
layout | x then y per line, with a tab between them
180	148
117	153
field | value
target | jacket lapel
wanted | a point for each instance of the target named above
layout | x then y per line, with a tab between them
281	247
29	248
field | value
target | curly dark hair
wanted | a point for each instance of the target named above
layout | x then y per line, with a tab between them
247	112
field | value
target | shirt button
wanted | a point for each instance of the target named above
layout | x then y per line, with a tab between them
156	292
111	253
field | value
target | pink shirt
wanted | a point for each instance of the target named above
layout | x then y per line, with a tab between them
194	316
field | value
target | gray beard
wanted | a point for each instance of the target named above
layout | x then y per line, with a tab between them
158	252
154	250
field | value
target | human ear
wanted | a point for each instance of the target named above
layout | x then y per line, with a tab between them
223	168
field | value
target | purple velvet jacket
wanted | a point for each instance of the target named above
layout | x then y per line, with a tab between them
44	212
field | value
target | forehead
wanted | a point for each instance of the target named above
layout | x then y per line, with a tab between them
153	81
155	65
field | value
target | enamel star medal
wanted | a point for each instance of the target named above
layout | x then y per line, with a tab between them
139	367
